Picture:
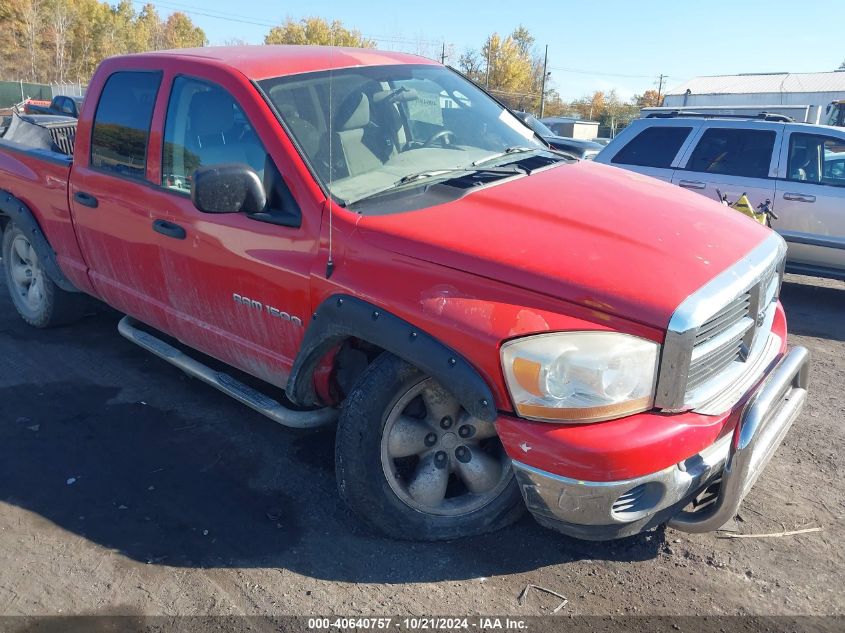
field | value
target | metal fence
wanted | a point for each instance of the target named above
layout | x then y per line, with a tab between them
15	92
68	89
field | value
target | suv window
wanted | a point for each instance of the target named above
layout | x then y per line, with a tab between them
122	123
655	146
66	106
734	152
819	159
205	126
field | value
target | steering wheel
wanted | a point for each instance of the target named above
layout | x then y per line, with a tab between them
439	136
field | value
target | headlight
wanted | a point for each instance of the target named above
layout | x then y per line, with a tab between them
580	376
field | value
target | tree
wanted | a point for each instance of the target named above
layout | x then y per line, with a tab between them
180	32
32	25
58	40
317	31
148	33
471	65
524	40
842	66
590	107
649	99
60	22
509	68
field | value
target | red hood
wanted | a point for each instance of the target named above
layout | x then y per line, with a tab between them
603	237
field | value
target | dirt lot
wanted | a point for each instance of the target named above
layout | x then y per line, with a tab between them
127	487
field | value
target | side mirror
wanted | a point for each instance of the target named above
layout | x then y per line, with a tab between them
227	188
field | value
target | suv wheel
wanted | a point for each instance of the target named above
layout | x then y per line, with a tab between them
36	298
415	465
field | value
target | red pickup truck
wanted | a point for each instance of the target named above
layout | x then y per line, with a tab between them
491	324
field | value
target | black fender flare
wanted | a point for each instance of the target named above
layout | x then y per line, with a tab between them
20	214
343	316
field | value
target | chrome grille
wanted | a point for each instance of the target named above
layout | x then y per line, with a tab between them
64	137
719	342
724	319
715	332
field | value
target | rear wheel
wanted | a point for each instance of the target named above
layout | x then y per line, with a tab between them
415	465
36	298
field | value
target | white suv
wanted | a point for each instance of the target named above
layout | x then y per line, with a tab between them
799	167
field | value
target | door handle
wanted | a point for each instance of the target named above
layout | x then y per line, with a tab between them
86	199
799	197
169	229
692	184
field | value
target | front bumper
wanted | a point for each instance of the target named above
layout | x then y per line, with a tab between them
602	510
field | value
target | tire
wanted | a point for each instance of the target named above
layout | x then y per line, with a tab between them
45	305
398	495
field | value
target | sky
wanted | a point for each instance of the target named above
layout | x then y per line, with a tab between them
592	45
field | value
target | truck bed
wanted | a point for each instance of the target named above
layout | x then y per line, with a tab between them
47	135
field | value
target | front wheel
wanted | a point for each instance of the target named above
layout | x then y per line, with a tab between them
412	463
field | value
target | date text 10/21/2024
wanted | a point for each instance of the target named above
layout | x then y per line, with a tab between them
417	624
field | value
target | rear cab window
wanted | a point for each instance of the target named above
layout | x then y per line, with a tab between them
656	146
734	152
121	128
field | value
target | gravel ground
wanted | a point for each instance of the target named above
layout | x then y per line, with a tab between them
126	487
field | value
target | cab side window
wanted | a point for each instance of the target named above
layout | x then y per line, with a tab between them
818	159
655	146
205	126
122	123
734	152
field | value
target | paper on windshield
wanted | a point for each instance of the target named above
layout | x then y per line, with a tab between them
426	108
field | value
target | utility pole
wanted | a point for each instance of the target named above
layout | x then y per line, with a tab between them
443	53
543	88
660	86
487	80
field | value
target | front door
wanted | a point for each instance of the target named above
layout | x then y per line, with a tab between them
237	286
810	200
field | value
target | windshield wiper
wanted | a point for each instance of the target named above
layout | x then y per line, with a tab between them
404	180
511	150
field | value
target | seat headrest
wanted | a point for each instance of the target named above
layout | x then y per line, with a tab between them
800	156
354	112
211	112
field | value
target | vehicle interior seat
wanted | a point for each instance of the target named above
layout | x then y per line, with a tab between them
799	165
362	145
212	133
304	131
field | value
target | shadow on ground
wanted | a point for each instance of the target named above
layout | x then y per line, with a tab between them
814	308
186	477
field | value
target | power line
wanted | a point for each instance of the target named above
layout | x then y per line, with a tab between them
580	71
236	17
227	17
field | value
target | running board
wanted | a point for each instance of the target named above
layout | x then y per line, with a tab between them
224	382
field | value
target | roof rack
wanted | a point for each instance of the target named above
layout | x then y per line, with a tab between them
762	116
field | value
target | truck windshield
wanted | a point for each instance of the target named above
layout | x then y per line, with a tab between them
364	130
